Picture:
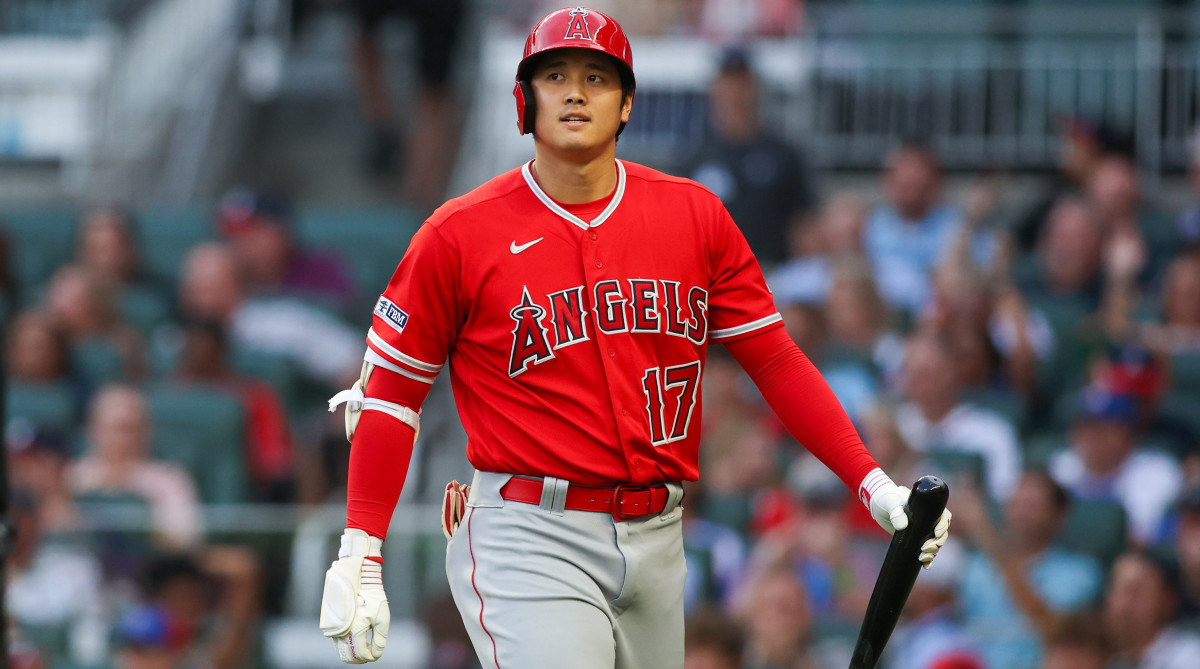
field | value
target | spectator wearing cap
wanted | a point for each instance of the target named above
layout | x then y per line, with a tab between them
1140	608
1041	582
258	227
1103	462
761	179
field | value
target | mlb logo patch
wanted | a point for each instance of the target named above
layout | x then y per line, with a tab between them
391	314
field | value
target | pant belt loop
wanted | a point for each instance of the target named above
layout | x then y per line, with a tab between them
674	497
554	495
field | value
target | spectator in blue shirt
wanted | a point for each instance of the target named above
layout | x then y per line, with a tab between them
915	230
1040	581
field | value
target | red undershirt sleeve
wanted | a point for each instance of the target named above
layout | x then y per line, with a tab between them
380	453
801	398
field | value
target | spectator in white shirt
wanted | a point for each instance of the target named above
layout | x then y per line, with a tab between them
1104	463
935	417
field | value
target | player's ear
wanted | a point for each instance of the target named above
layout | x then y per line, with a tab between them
626	107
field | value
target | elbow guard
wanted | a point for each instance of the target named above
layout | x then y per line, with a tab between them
356	403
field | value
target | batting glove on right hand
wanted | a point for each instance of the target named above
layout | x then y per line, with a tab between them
354	608
886	501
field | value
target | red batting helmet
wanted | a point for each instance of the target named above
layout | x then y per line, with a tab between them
578	28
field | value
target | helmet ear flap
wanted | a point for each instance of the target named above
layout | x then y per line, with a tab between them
526	109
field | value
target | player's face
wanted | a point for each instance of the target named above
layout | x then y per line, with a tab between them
579	101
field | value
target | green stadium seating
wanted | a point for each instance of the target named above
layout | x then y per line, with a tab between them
98	361
42	239
371	240
1095	528
144	309
282	372
204	432
167	233
51	405
1185	372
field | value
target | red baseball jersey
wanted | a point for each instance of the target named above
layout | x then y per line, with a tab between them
576	334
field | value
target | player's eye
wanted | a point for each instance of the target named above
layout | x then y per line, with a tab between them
595	78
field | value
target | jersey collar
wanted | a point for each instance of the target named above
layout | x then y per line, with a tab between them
558	209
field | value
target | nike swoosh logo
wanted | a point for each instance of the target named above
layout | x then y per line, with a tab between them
517	249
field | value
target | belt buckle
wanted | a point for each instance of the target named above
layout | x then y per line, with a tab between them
620	514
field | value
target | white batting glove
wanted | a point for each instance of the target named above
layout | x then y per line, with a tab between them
354	609
886	502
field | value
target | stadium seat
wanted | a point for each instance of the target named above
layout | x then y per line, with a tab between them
42	240
280	371
98	361
204	432
144	309
1185	372
1180	408
50	405
167	233
1095	528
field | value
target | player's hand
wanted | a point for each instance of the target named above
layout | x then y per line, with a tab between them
354	609
887	501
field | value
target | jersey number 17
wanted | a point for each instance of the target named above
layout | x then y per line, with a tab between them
669	388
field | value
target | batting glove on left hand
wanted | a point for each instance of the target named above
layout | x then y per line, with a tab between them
354	609
886	502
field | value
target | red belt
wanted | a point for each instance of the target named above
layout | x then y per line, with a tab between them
623	502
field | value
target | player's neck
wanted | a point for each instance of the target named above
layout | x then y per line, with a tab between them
575	181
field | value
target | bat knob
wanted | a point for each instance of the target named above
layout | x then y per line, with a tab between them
925	504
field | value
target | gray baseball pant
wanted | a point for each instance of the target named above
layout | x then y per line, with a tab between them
542	587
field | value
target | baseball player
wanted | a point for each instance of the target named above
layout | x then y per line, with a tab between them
574	298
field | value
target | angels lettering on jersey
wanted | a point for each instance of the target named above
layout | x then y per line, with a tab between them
636	306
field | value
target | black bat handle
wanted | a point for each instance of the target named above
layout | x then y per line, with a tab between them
899	570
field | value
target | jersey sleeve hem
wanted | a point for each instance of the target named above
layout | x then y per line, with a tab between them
399	361
745	328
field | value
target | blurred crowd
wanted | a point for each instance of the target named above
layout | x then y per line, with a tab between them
1035	348
1040	351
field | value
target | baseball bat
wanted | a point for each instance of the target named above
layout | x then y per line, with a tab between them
899	570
